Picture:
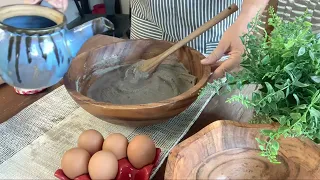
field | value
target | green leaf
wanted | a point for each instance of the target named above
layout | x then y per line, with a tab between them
229	89
315	79
273	152
229	77
269	88
307	23
287	91
263	154
289	44
261	147
298	129
287	54
282	129
295	116
276	162
303	118
279	86
275	145
302	51
266	132
311	54
289	67
260	141
255	96
283	120
242	40
314	112
239	85
302	106
265	60
299	84
296	98
280	95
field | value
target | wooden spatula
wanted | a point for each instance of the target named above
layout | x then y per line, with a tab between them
150	65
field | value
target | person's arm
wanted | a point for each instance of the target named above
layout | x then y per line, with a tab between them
249	9
230	43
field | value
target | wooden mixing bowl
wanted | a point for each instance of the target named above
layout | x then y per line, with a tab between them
86	68
228	150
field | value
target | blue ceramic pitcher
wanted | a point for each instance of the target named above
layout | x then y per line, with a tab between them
36	47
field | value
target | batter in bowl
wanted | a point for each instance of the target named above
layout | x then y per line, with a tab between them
119	86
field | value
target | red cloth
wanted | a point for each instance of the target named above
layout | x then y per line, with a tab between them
99	9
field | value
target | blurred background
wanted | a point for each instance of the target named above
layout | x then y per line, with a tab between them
72	12
81	11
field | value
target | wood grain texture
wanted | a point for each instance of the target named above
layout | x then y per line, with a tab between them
214	154
129	52
12	103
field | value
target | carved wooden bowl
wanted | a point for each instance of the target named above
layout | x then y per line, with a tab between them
85	67
228	150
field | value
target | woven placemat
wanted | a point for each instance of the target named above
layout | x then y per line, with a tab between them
33	142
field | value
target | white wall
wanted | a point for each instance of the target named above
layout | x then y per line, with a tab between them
125	6
72	11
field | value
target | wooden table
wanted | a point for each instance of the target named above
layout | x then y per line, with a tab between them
217	109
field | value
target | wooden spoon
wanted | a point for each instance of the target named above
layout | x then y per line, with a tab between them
150	65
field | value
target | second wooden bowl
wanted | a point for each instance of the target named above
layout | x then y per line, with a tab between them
81	75
228	150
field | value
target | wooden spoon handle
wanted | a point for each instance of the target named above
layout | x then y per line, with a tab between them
209	24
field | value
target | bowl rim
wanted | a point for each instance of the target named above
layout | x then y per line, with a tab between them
184	145
171	101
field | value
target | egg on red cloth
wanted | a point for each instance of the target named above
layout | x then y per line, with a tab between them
75	162
141	151
91	140
117	144
103	165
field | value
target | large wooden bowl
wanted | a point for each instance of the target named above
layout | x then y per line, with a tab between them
228	150
81	75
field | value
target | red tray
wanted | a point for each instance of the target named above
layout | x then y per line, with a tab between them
126	171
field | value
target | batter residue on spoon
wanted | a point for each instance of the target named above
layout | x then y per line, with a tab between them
119	86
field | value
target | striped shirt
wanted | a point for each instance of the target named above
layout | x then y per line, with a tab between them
172	20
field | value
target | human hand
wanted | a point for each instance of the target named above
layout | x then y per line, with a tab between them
60	5
231	45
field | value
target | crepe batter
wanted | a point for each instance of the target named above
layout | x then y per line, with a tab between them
122	86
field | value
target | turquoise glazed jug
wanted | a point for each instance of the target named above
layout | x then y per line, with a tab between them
37	48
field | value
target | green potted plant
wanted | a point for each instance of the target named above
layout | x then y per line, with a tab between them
285	65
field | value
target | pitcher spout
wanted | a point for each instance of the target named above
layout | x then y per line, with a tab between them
77	36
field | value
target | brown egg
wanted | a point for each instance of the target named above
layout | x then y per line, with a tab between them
91	140
103	165
141	151
75	162
117	144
